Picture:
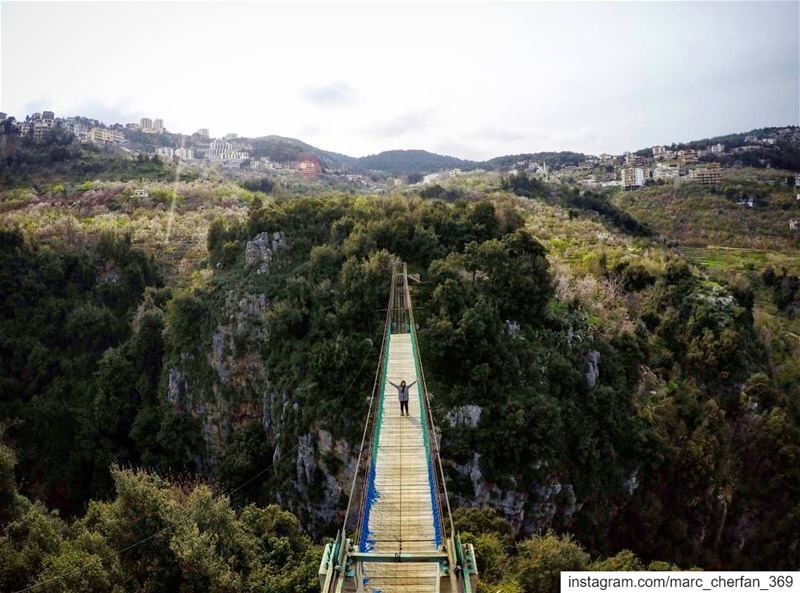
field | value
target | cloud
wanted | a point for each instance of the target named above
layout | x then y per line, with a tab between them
402	124
34	106
335	94
498	134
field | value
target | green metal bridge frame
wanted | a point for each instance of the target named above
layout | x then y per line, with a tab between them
343	563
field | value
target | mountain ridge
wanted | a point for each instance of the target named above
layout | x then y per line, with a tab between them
412	160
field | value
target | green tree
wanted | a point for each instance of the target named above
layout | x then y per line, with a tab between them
543	557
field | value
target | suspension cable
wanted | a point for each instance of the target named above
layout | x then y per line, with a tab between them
368	420
429	415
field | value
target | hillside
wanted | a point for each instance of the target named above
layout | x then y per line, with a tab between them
551	159
281	149
237	363
618	367
403	162
395	162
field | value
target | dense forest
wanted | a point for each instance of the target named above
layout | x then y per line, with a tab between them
669	441
184	535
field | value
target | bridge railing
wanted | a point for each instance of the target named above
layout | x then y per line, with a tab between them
365	452
439	478
341	560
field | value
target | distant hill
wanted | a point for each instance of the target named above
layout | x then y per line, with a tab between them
399	162
282	149
395	162
783	151
405	162
551	159
738	138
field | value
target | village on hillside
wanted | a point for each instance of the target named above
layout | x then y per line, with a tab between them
699	162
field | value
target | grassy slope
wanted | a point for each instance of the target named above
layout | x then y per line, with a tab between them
173	230
725	239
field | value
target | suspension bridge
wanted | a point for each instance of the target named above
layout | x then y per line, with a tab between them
397	534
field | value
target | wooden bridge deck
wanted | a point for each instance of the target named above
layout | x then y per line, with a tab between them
401	516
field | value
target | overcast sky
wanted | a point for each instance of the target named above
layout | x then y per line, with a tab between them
469	79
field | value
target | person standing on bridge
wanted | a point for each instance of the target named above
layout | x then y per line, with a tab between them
402	394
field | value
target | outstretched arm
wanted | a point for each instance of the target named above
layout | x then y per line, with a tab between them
410	384
394	385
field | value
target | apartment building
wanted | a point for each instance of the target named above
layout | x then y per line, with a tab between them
634	160
220	150
687	157
105	135
632	177
708	174
666	171
151	126
185	154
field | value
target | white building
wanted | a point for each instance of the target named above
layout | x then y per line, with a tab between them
632	177
152	126
220	150
262	163
165	151
666	171
203	132
718	148
79	129
185	154
217	149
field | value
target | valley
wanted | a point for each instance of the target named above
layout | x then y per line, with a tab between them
615	374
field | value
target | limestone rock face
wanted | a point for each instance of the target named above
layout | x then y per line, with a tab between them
261	249
468	415
527	511
305	458
176	387
217	357
591	368
337	462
